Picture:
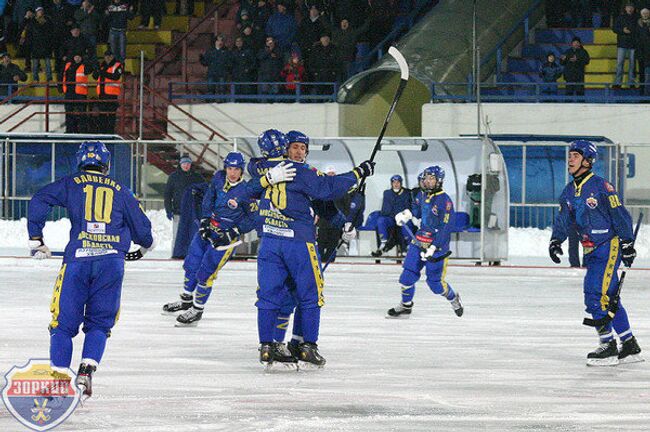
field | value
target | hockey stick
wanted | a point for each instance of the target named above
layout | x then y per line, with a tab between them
404	77
432	260
129	256
613	305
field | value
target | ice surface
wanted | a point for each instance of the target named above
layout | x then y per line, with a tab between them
515	361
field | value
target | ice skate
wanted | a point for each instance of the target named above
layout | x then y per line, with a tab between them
189	318
84	380
457	305
630	352
605	355
178	306
276	356
402	311
310	358
294	349
380	251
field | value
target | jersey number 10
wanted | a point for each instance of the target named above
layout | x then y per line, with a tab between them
99	203
278	195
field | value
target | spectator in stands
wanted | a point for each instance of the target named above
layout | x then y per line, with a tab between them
310	30
243	66
381	19
282	27
88	20
19	13
244	19
574	60
75	88
643	48
293	72
10	74
109	87
626	27
324	64
119	14
395	200
155	8
219	62
269	66
177	184
61	21
76	43
354	11
39	33
345	38
580	13
184	7
260	14
25	46
550	72
252	39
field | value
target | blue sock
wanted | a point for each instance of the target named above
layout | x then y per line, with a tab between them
189	285
407	293
310	324
266	320
450	293
202	295
94	345
622	324
60	349
281	325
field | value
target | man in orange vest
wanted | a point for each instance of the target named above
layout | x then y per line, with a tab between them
75	87
109	88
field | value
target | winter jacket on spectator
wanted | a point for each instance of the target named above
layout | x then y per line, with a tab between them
59	17
20	9
346	40
309	32
218	62
625	40
74	3
269	65
282	27
352	10
550	72
7	74
119	16
76	45
324	63
243	64
88	22
643	43
253	39
574	62
177	183
40	33
260	15
293	72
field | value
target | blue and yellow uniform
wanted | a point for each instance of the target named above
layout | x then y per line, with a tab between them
105	218
394	201
288	247
591	205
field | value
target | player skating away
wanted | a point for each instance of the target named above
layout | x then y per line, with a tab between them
436	212
605	228
228	211
105	218
288	250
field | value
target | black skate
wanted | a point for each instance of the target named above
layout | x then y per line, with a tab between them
189	318
178	306
630	352
310	358
84	380
294	349
605	355
402	310
276	356
457	305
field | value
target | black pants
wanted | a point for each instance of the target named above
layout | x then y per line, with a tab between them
155	8
575	89
328	239
108	108
75	118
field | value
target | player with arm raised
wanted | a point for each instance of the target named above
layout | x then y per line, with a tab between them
590	204
105	218
436	211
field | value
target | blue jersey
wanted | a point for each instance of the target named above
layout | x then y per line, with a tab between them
230	205
105	216
395	202
592	205
285	209
436	212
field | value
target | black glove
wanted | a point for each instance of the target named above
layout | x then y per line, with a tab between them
628	253
204	229
555	249
223	238
365	169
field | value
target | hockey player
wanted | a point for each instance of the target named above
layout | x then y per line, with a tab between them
288	250
590	204
228	211
395	200
436	211
105	218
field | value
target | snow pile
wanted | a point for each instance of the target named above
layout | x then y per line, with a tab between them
13	234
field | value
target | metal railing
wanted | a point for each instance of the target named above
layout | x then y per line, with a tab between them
250	91
535	92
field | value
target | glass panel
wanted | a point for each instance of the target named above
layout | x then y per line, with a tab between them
33	167
545	168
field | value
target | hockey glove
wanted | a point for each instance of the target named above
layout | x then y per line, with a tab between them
555	249
349	232
403	217
427	254
224	237
628	253
365	169
204	229
137	254
282	172
41	251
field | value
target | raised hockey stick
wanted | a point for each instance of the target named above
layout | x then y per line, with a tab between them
613	304
440	258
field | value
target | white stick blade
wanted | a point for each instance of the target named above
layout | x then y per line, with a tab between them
401	62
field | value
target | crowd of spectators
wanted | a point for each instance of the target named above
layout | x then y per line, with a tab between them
281	43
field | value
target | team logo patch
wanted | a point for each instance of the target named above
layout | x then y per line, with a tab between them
448	205
609	187
96	227
232	203
38	397
434	210
592	202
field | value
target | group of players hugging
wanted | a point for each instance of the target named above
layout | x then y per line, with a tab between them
278	202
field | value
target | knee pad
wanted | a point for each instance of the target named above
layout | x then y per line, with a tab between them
408	277
436	286
593	305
